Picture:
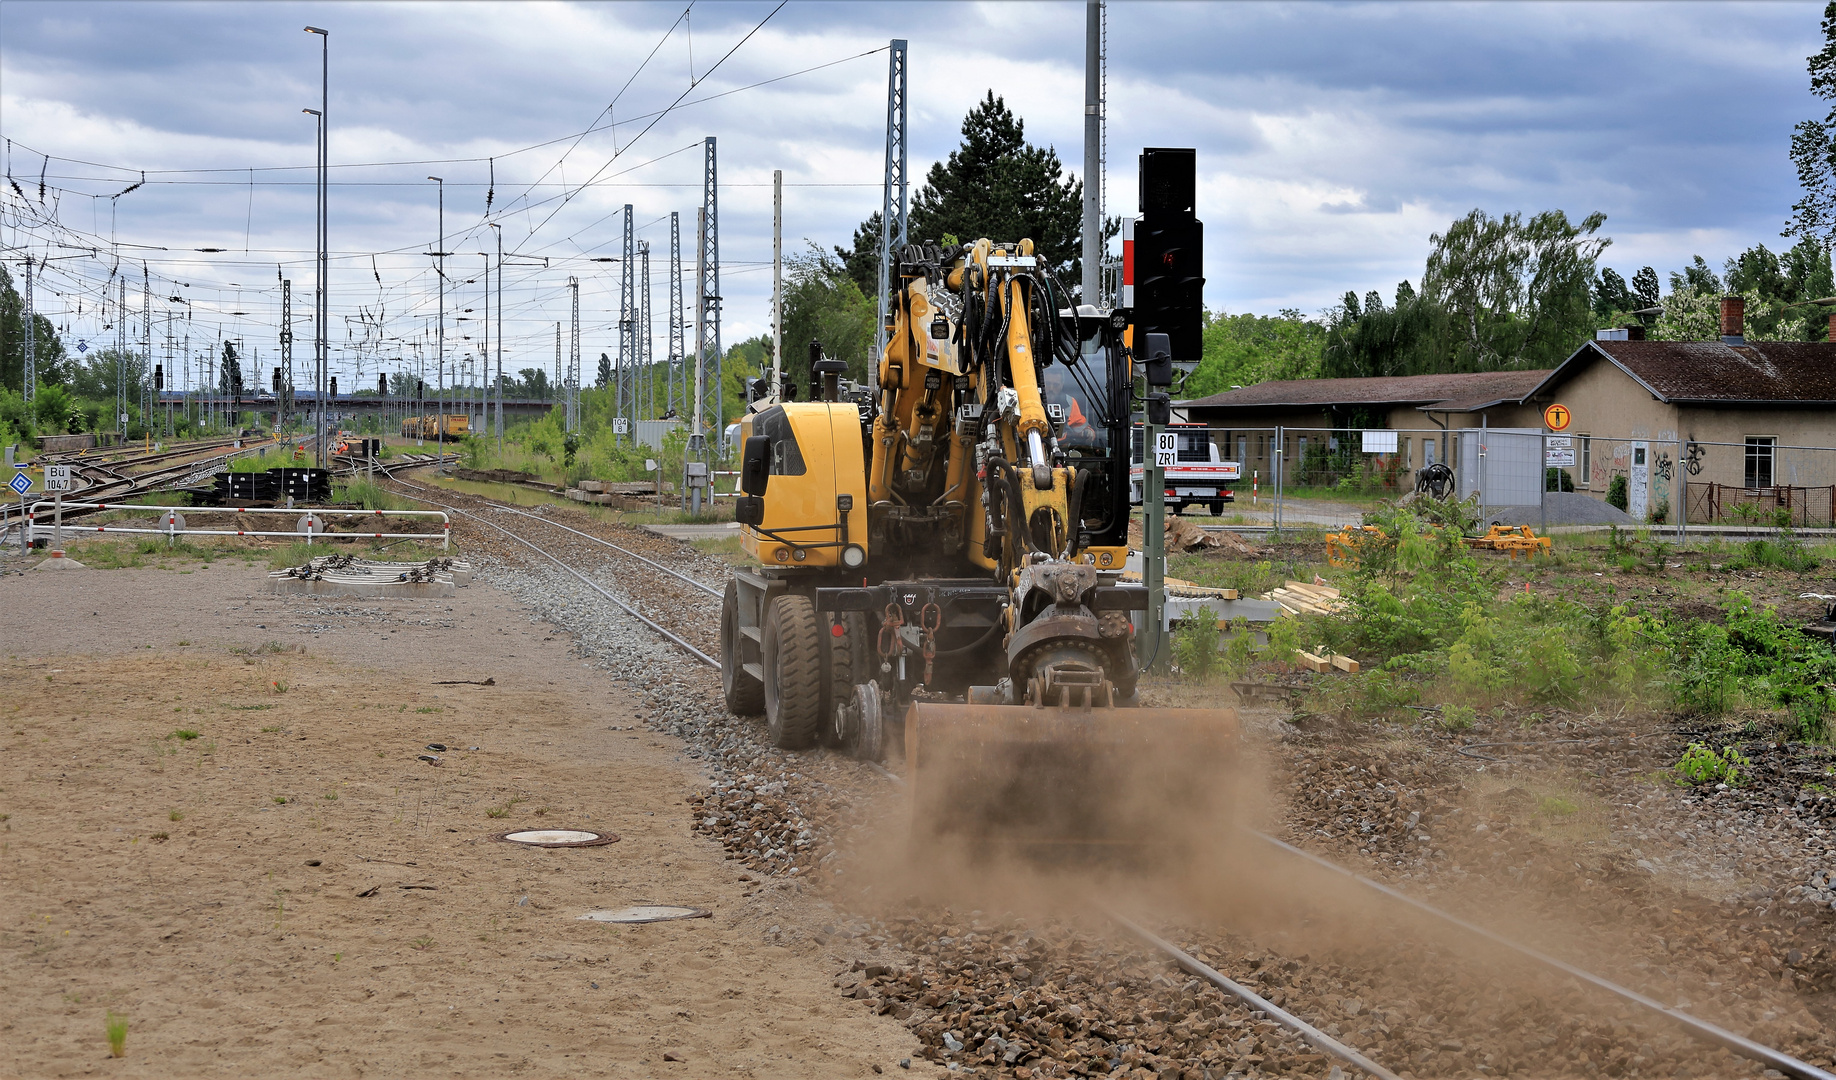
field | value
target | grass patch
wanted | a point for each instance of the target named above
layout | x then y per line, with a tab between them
184	735
116	1027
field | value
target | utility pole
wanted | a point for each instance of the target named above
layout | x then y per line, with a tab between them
31	336
557	386
678	332
697	440
573	358
647	385
121	363
1093	151
892	199
322	344
710	285
777	282
146	338
285	404
439	253
500	340
627	332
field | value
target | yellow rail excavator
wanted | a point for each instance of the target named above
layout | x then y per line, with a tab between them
939	567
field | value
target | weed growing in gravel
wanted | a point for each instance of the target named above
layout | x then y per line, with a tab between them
183	735
504	810
422	943
175	815
116	1026
1700	764
331	796
282	799
1457	717
272	729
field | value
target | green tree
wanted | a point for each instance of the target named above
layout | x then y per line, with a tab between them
1611	293
1241	350
862	257
823	303
534	384
1645	287
605	372
1370	339
997	185
229	372
1813	147
47	347
1698	276
1515	290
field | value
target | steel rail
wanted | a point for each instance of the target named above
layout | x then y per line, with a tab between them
588	582
709	589
1701	1029
1311	1035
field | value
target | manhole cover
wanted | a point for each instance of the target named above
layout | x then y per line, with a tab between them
556	838
647	913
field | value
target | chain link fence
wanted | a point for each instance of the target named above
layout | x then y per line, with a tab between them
1760	482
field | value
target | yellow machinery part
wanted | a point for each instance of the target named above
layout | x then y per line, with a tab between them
1069	783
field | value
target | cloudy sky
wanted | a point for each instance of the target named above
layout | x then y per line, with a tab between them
1332	140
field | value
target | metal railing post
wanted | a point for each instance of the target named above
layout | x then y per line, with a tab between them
1277	463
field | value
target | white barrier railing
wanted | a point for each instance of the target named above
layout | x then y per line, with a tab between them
173	522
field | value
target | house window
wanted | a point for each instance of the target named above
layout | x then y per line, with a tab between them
1242	448
1759	460
1587	460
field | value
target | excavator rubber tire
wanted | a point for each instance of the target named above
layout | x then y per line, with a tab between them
745	695
839	665
793	672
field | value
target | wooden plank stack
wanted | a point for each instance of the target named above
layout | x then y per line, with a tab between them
1300	598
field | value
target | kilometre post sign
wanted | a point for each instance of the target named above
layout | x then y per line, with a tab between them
1557	417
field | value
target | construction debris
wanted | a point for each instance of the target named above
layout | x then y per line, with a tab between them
1513	540
1184	535
346	575
1300	598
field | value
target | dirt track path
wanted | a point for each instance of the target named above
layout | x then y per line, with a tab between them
165	877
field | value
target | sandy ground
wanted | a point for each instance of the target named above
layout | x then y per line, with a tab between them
294	892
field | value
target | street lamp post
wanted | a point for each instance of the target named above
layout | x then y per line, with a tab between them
321	350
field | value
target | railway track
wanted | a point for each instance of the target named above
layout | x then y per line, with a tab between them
123	476
669	594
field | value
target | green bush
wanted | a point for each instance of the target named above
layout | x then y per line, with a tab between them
1618	494
1700	764
1555	479
1195	643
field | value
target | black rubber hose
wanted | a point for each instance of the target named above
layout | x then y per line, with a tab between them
1074	509
972	646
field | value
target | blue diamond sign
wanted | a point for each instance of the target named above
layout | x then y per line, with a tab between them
21	483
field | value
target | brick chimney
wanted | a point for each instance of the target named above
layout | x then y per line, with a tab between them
1733	319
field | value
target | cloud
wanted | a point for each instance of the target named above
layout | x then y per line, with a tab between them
1332	138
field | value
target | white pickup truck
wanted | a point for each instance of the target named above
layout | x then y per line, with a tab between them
1196	476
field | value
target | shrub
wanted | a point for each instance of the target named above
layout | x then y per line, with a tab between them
1700	764
1555	479
1195	643
1618	494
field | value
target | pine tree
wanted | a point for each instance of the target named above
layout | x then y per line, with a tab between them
229	373
997	185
